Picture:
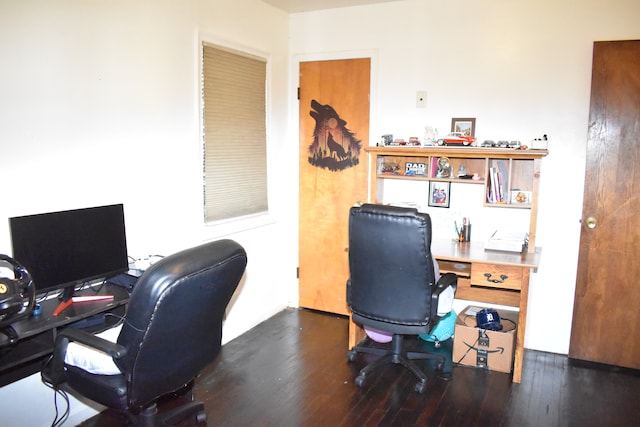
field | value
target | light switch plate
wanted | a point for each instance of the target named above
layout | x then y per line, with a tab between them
421	99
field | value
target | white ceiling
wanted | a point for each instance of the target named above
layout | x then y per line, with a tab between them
295	6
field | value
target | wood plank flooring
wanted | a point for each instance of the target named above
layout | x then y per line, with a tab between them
292	370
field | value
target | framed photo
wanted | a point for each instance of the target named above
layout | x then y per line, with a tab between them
439	194
520	197
465	125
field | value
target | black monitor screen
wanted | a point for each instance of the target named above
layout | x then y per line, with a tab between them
63	249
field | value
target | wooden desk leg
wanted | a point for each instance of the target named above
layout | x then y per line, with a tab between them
522	323
356	333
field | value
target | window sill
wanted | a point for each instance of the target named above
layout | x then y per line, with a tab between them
223	228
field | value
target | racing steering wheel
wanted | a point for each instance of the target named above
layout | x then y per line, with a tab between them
17	297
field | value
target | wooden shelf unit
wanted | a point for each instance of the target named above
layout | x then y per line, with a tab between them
520	172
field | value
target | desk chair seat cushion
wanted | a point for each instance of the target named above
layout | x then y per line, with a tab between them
92	360
108	390
378	335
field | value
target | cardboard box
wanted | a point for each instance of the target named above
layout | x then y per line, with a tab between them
491	350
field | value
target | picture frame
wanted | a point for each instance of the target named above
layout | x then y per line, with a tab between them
466	125
439	194
519	197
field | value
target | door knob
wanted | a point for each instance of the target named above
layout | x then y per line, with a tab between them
591	222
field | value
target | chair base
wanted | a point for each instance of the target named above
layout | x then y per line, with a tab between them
149	417
396	355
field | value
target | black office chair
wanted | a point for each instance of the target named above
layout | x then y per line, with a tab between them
392	285
172	330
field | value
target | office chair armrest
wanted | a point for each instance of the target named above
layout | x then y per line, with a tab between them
53	371
446	280
113	349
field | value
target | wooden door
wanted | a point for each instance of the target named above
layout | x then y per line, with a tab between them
334	128
606	318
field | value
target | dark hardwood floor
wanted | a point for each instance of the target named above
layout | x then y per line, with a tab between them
292	370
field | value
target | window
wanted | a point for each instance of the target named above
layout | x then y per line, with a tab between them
235	148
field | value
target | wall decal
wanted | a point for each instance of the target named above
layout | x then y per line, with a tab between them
334	146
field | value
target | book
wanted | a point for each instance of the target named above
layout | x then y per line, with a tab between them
493	186
498	183
503	179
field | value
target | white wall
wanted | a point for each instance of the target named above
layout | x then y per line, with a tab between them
522	69
99	104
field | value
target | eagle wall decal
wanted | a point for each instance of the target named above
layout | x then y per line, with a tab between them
334	146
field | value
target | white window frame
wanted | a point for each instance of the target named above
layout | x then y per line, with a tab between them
251	220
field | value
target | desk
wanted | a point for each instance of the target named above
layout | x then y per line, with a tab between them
471	263
37	334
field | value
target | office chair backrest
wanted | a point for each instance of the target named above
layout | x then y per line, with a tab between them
390	264
173	325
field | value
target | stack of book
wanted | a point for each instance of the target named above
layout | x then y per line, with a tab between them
508	241
497	190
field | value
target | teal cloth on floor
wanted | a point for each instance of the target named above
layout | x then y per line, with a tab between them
443	330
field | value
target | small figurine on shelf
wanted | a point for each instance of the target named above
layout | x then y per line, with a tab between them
391	169
386	139
430	134
444	168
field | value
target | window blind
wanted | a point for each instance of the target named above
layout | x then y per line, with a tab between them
235	149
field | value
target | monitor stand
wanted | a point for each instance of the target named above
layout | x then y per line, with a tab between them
67	293
68	299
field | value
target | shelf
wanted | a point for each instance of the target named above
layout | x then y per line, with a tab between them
29	349
412	177
465	152
510	177
426	178
507	205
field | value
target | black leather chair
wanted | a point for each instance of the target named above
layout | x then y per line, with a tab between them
392	285
172	330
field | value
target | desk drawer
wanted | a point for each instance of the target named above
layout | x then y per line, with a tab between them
496	276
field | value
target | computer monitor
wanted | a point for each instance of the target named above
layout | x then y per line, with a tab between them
63	250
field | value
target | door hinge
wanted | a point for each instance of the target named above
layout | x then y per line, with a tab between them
297	272
298	93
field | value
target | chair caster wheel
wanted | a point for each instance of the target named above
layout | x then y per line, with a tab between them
421	387
351	355
360	380
445	376
201	417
